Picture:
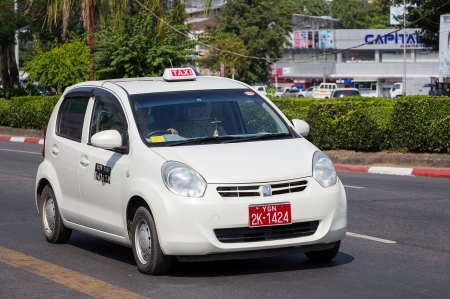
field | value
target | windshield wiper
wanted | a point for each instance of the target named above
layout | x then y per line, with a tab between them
201	140
259	137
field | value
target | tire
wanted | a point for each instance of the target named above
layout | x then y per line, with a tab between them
52	225
300	96
146	249
324	255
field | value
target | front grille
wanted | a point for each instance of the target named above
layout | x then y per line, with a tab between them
255	190
266	233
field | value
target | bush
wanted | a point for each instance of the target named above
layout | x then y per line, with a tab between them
355	123
293	107
413	120
417	123
27	112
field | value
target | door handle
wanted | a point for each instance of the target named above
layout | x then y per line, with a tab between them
55	150
84	160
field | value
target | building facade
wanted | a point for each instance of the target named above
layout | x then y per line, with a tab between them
369	59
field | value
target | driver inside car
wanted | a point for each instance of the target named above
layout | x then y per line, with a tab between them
161	121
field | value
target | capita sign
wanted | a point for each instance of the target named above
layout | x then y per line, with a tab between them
376	39
412	40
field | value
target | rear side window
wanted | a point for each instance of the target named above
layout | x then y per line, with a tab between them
71	118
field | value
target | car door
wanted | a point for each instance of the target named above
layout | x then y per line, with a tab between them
101	171
65	147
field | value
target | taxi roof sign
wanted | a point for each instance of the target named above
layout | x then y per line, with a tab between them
179	74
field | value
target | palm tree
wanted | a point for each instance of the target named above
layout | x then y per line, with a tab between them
9	23
90	14
59	10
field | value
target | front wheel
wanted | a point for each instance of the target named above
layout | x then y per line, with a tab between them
52	224
324	255
146	249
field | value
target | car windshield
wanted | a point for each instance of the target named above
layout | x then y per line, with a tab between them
207	116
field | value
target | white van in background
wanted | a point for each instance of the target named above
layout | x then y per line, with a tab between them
324	91
260	89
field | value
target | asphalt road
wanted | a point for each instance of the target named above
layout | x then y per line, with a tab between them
414	212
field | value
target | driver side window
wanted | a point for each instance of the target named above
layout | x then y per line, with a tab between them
105	117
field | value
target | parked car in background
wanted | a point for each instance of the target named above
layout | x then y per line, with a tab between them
281	90
309	92
345	92
324	90
293	93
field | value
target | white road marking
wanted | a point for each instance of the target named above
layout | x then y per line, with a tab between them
370	238
356	187
10	150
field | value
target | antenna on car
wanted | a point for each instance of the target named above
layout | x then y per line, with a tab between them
171	65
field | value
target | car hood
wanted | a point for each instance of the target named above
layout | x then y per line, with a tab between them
246	162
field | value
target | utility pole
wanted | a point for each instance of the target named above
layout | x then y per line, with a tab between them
16	47
324	65
404	47
276	77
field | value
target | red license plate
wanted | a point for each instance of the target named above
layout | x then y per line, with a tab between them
265	215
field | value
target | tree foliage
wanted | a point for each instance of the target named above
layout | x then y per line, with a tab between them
352	14
426	15
360	15
65	64
308	7
263	26
136	49
214	58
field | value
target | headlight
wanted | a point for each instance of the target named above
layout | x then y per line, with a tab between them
323	170
183	180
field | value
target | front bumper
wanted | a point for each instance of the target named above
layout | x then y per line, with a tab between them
186	225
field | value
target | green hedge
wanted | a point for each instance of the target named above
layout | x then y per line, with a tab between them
408	124
420	124
30	112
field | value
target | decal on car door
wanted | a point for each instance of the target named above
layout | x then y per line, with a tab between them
102	173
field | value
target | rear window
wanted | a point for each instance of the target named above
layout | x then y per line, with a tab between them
71	118
345	93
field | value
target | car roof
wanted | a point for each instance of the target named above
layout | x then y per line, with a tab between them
158	84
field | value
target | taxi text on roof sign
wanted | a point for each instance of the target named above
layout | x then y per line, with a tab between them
179	74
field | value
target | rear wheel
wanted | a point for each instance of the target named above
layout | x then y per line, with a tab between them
324	255
52	224
146	249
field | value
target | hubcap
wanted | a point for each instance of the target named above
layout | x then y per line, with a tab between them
143	241
49	215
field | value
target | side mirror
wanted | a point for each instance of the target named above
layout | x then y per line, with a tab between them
301	127
108	139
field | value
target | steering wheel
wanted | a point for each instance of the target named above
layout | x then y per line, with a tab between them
157	131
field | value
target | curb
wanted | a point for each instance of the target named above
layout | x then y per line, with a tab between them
22	139
434	173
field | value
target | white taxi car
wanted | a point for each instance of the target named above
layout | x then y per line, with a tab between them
197	168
